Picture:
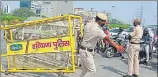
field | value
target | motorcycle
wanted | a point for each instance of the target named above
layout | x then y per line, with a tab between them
99	46
112	51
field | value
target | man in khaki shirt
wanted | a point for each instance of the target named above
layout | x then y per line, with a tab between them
134	48
92	33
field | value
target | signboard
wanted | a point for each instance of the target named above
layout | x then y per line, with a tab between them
50	45
16	47
41	46
56	44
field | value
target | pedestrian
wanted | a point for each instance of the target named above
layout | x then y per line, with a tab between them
92	33
133	50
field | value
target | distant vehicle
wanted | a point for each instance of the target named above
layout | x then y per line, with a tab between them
114	32
129	30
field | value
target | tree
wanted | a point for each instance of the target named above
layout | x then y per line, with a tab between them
44	16
115	21
125	26
23	12
10	19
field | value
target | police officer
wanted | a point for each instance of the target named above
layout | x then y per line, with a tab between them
133	50
92	32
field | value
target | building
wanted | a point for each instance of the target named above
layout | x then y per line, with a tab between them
91	13
36	7
55	8
25	3
86	15
79	11
0	4
6	8
52	8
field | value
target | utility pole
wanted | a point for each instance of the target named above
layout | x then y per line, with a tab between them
140	14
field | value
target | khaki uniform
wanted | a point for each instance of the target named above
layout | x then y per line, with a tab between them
92	32
133	51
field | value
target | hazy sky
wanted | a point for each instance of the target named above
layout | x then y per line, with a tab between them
123	10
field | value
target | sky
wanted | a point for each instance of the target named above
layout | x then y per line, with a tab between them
122	10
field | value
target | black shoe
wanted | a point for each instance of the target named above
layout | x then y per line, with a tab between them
134	75
146	63
127	76
122	57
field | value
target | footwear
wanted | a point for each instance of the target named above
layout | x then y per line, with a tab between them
127	76
134	75
122	57
146	63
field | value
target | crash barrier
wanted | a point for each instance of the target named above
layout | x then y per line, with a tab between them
45	45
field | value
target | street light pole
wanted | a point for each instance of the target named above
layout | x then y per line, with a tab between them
92	9
113	10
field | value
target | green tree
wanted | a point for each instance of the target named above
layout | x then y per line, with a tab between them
115	21
125	26
8	19
23	12
44	16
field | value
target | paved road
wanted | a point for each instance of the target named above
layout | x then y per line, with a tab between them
113	67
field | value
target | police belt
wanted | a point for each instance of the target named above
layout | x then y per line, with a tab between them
84	48
135	43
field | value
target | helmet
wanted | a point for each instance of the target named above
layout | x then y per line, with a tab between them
146	30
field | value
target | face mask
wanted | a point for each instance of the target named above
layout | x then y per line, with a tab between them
102	25
134	24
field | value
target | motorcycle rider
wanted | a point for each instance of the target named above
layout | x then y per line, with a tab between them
121	38
147	39
107	32
155	42
151	42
